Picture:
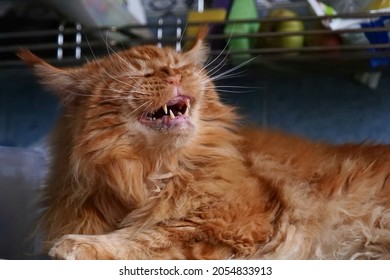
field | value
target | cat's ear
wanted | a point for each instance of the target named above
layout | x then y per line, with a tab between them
63	82
199	52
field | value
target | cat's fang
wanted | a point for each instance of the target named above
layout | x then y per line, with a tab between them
165	108
187	112
188	103
172	115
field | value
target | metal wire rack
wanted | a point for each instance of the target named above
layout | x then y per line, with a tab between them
69	43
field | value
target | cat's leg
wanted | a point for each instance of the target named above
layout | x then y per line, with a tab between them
159	242
219	228
120	244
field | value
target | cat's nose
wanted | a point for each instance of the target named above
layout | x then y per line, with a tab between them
174	80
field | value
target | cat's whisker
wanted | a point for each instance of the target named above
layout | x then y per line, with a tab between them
235	91
218	67
111	90
183	33
111	51
227	86
104	71
144	107
123	98
242	64
221	52
210	72
216	117
204	78
240	89
118	80
103	68
234	75
95	95
97	60
90	47
223	61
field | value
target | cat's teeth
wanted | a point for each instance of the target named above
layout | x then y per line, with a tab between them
180	114
188	103
187	112
165	108
171	114
154	118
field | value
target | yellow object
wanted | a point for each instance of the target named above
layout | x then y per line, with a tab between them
209	15
378	4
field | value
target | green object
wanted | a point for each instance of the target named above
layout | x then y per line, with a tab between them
328	10
242	9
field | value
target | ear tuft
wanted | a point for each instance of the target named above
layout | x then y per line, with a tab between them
63	82
30	58
202	33
199	51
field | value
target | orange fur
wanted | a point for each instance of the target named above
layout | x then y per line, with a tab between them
123	186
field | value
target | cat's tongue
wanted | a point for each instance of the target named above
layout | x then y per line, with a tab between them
167	123
177	119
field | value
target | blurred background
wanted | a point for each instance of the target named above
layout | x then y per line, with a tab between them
315	69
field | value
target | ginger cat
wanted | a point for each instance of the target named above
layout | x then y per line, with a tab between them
149	164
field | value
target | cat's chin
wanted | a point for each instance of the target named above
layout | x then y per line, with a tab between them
166	124
166	134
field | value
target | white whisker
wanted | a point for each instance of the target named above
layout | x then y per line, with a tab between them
182	34
216	58
242	64
111	51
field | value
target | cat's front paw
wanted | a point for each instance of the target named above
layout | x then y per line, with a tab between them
78	247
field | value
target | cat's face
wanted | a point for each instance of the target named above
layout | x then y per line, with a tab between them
149	93
163	90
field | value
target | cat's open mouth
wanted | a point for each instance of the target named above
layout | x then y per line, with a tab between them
176	111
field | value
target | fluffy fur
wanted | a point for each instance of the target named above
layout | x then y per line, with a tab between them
125	186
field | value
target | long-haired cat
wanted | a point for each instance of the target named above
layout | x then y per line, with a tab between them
149	164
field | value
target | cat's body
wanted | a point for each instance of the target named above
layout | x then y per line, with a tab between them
131	181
